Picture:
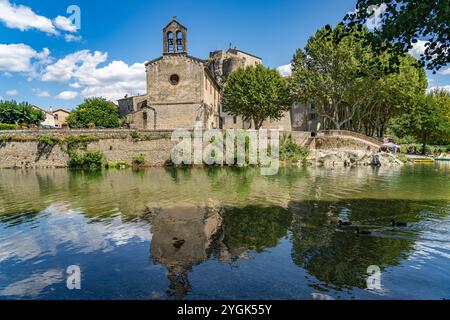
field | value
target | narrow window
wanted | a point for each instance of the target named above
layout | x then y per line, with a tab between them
170	43
180	42
235	119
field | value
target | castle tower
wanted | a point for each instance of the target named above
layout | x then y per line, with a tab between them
174	38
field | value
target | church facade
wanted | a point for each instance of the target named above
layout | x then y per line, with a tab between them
184	91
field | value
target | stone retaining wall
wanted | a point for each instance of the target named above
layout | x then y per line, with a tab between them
23	151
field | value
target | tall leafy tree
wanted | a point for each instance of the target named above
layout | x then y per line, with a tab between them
353	85
95	111
256	94
388	93
12	112
329	71
405	22
428	120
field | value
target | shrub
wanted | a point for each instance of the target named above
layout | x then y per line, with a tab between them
117	165
135	135
138	160
80	142
4	126
89	160
48	140
290	151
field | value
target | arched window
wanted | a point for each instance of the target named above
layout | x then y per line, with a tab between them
170	42
180	41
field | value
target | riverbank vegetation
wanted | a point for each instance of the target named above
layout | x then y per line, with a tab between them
290	151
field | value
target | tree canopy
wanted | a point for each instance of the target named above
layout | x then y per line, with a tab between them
97	112
428	119
352	85
22	113
406	22
257	94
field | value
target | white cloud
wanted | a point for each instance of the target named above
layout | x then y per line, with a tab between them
445	72
21	58
285	70
34	284
72	38
67	95
418	49
41	93
446	88
12	93
376	14
64	23
112	81
23	18
80	62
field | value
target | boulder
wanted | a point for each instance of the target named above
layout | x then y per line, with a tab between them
341	158
352	158
384	159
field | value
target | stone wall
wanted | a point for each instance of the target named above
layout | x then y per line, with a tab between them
189	88
22	150
28	154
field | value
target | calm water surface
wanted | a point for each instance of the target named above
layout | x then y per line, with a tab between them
225	233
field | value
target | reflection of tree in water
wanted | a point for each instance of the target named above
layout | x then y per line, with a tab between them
255	228
185	237
337	256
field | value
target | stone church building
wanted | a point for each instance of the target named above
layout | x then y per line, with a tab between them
183	90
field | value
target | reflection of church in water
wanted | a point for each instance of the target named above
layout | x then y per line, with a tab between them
185	237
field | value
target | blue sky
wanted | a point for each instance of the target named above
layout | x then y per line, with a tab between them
45	60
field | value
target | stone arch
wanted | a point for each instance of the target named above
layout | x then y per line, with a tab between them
170	42
180	41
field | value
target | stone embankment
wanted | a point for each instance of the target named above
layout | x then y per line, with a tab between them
352	158
50	148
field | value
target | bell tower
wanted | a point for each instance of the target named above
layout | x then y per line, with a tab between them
174	38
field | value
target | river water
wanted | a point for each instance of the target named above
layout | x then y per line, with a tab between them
225	233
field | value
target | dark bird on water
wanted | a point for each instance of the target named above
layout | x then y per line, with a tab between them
363	232
344	224
398	223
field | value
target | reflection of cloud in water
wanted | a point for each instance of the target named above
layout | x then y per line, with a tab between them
55	227
33	285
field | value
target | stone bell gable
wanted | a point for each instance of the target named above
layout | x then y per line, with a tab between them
175	38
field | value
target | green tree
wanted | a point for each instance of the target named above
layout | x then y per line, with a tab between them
95	111
12	112
257	94
329	71
387	93
354	86
428	120
405	22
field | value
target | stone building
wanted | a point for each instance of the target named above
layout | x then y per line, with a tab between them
183	91
305	117
61	116
54	119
